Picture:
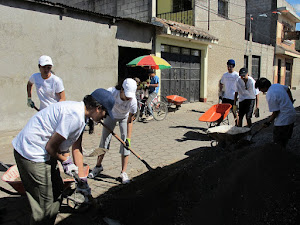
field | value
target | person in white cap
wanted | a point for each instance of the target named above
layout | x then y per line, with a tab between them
124	109
49	87
42	142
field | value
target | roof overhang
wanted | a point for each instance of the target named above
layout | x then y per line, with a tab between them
279	50
182	31
289	14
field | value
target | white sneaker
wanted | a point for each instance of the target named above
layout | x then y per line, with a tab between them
149	118
95	172
124	178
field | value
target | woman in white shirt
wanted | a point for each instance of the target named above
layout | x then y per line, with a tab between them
124	109
49	87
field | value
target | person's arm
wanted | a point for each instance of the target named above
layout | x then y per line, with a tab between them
129	125
62	96
77	156
52	146
257	100
235	98
290	95
29	89
271	118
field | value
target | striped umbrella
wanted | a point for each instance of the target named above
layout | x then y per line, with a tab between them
150	61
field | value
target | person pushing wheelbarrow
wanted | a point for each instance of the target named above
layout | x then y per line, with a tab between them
44	139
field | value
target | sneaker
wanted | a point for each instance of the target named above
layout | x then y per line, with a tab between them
149	118
95	172
124	178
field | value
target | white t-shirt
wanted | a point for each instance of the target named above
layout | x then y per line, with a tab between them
66	118
47	88
229	82
122	108
278	100
246	90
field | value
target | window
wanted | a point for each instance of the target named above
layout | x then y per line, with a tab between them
182	5
223	8
255	67
245	61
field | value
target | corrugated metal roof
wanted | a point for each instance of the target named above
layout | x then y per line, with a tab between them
184	29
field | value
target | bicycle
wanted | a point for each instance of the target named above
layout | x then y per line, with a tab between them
159	109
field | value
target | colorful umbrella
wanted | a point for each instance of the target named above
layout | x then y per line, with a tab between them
150	61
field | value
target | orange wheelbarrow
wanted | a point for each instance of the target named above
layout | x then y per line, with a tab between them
216	115
175	100
74	200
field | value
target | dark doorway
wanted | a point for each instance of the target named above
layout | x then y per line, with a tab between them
125	56
279	71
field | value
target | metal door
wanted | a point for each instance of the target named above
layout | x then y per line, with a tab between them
288	74
184	77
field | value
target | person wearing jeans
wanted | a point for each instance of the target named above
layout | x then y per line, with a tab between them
153	91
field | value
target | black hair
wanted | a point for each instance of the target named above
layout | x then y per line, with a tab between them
119	84
91	103
262	83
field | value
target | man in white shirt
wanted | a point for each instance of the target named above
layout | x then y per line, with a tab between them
228	84
44	139
49	87
280	101
248	96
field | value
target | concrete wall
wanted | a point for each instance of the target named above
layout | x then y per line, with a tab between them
296	74
138	9
231	39
84	50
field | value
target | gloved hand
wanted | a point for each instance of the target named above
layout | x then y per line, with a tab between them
30	103
234	109
256	112
266	124
83	186
128	142
69	166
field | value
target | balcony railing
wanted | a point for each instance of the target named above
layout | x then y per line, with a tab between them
186	17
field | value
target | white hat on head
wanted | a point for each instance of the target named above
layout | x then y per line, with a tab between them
45	60
129	86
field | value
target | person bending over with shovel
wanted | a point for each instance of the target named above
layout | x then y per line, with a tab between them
41	143
280	101
124	109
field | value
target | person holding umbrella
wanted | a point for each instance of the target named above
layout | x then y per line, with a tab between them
125	107
49	87
44	139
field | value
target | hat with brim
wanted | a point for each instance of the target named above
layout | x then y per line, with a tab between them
45	60
243	72
129	85
104	98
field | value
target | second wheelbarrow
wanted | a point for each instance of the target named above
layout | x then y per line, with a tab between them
216	115
226	135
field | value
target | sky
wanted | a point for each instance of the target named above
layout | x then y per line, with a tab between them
296	5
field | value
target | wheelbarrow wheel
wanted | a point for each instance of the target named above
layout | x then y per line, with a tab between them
160	110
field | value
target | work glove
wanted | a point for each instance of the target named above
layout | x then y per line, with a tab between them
30	103
256	112
128	142
69	166
83	186
234	109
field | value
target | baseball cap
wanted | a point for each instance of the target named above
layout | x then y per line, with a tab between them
45	60
243	72
129	85
150	71
105	98
231	62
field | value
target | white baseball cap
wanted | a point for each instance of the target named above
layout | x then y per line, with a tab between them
129	86
45	60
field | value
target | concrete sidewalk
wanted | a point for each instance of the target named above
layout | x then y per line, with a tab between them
160	143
